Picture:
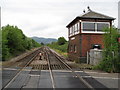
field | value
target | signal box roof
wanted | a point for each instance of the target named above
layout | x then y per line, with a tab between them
92	15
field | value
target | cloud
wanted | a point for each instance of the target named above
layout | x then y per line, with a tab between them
48	18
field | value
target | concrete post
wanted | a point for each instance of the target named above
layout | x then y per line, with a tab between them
87	57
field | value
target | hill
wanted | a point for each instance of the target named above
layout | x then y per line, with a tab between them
44	40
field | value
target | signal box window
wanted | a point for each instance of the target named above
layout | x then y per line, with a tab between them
71	48
75	48
101	26
88	26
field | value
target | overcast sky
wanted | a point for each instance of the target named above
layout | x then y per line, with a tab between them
48	18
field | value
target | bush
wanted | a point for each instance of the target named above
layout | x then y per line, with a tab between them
111	60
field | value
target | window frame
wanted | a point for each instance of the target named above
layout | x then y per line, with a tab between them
102	23
89	29
96	28
74	29
71	48
75	48
70	31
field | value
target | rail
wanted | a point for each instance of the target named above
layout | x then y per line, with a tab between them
20	70
84	81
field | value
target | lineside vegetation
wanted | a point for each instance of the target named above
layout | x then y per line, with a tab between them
111	53
14	42
60	46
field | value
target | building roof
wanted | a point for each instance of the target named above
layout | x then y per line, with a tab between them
92	15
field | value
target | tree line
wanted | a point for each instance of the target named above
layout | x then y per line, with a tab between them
60	45
14	42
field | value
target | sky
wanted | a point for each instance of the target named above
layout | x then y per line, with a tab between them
48	18
119	15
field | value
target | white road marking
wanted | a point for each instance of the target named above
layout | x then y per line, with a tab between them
78	71
96	72
106	77
92	72
34	75
61	71
15	69
99	77
9	69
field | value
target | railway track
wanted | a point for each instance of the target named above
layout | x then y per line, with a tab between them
59	62
17	66
46	72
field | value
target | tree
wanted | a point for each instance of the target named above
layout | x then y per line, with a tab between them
5	49
61	41
15	42
111	61
42	43
15	39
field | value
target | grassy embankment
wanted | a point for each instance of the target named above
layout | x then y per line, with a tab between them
61	49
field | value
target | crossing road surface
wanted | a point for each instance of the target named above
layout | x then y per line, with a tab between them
53	72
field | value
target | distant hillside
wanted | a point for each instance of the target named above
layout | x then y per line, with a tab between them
44	40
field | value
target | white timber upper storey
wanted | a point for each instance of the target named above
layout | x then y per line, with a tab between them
89	22
88	27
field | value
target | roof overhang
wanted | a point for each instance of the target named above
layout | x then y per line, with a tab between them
95	18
